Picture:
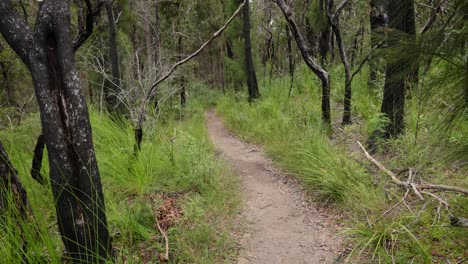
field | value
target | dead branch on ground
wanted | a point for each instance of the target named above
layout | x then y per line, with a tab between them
417	188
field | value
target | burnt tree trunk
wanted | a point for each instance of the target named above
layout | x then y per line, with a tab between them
252	84
290	59
335	24
11	187
183	95
113	85
400	14
74	175
308	56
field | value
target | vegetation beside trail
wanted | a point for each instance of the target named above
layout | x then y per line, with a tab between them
176	163
335	170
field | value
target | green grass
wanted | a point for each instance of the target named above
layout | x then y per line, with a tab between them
336	171
185	165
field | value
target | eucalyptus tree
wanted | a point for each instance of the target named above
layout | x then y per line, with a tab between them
47	51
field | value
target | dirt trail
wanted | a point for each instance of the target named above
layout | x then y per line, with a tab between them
282	226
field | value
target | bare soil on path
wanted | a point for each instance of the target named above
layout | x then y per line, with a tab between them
282	225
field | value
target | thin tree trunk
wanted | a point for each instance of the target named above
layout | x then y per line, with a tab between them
254	93
113	87
334	21
290	59
183	97
157	34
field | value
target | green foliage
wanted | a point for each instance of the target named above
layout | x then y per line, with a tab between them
317	17
206	191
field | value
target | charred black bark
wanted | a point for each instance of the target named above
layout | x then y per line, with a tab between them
252	84
86	23
138	138
74	174
11	187
113	86
334	20
37	160
400	14
183	95
290	59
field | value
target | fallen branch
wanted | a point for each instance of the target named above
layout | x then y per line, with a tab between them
417	188
166	239
165	257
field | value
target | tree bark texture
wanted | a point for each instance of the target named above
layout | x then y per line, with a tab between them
401	20
74	174
113	86
252	84
335	24
183	94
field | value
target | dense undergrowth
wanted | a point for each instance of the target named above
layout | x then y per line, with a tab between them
335	170
176	162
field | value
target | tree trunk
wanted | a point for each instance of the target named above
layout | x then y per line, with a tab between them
378	19
7	85
307	55
74	174
157	34
183	98
335	23
254	93
325	41
11	187
393	103
113	86
290	60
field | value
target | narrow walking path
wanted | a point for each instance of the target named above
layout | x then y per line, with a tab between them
282	226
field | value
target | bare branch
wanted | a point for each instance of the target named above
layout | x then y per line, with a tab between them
152	91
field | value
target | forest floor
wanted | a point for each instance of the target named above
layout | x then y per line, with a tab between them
282	224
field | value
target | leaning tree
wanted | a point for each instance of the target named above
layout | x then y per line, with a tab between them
48	52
